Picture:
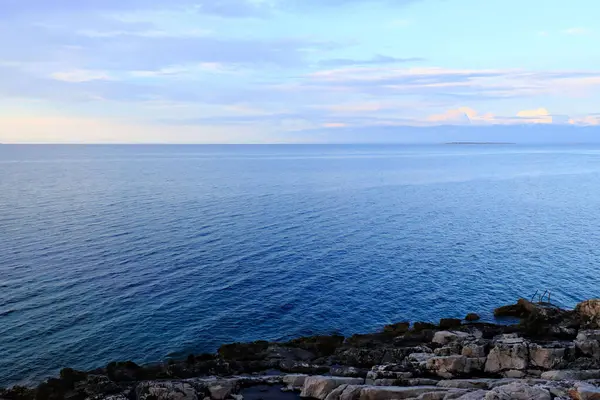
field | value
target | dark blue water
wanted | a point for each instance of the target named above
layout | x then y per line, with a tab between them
143	252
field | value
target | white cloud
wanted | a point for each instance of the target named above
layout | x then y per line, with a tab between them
539	116
589	120
577	31
81	75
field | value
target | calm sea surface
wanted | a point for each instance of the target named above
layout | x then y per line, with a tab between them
148	252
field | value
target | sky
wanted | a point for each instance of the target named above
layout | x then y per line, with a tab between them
296	71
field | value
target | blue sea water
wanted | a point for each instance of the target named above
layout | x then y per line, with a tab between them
148	252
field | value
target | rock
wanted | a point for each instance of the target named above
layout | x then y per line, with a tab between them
167	390
465	383
450	323
345	392
397	329
445	337
588	342
395	392
478	395
352	372
223	388
473	350
420	326
244	351
420	358
573	375
237	397
471	317
550	356
294	381
585	391
124	371
518	391
589	313
453	366
360	357
509	352
321	346
453	349
319	387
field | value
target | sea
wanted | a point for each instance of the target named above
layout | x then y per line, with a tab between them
151	252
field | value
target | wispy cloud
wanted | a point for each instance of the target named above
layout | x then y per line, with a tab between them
376	60
577	31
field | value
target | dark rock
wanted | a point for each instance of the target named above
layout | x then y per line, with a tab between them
124	371
450	323
396	329
17	393
244	351
70	377
321	346
419	326
359	357
472	317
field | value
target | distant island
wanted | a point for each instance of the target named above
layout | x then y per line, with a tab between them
479	143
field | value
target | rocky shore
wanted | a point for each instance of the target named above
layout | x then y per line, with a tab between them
550	354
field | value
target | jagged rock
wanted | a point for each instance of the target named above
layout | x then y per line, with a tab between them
585	391
465	383
449	395
345	392
451	349
471	317
396	329
453	366
550	356
445	337
420	358
395	392
588	342
450	323
518	391
589	313
319	387
420	326
168	390
352	372
573	375
509	353
473	350
477	395
294	381
360	357
222	388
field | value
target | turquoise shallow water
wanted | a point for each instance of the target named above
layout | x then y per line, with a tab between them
148	252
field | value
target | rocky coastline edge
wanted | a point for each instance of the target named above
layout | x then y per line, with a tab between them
552	353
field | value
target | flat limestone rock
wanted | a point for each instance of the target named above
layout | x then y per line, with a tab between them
571	375
465	383
518	391
319	387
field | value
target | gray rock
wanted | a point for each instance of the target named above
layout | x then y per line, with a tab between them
589	313
588	342
294	381
465	383
222	388
572	375
168	390
473	350
585	391
445	337
345	392
518	391
453	366
550	356
395	392
319	387
509	353
478	395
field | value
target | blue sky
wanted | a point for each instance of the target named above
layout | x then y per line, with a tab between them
256	71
